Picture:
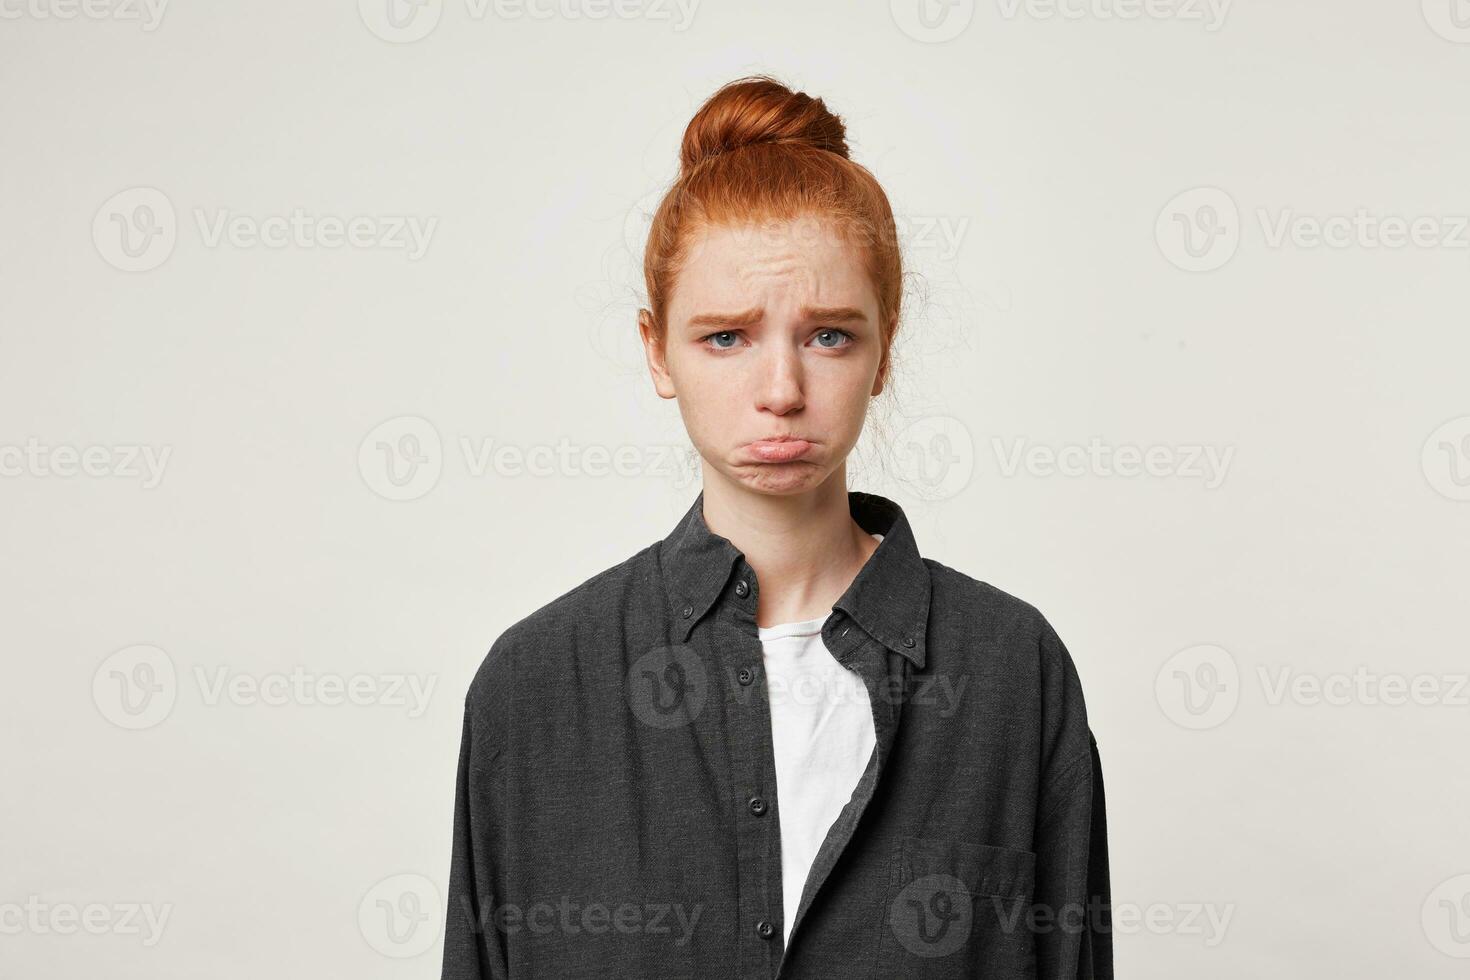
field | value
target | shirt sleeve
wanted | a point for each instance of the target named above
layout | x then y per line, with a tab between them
474	948
1072	912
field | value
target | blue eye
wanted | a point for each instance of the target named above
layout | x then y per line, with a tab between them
841	334
828	339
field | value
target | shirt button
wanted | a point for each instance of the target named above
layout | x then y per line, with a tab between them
688	611
764	929
757	805
741	589
746	675
908	641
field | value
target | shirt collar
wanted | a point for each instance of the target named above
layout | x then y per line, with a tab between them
889	598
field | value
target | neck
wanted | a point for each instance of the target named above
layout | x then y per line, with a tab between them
805	547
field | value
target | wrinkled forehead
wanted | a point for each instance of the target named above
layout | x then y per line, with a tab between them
786	264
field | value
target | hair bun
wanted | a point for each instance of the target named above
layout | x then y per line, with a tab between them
759	109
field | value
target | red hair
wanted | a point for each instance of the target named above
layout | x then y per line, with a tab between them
758	152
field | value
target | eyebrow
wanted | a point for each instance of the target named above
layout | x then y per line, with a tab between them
816	314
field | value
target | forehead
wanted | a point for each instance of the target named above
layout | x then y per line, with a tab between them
730	266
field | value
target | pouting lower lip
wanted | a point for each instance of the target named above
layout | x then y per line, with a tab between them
781	451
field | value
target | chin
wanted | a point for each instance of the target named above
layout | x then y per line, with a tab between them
780	479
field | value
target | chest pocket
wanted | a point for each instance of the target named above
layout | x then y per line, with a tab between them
957	909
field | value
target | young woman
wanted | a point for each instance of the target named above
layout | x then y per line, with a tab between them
777	742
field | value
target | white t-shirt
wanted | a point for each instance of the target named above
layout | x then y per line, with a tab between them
822	730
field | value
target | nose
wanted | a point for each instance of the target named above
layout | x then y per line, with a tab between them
779	386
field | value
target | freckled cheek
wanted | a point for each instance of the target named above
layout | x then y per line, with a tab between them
709	384
857	408
844	402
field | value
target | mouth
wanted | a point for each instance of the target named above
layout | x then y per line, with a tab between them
779	449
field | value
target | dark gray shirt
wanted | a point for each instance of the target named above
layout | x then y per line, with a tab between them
616	811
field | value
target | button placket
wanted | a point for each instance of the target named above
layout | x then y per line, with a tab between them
877	667
757	831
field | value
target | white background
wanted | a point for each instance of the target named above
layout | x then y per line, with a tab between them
1037	156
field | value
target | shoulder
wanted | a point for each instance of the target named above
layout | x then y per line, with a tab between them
964	606
977	628
584	609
